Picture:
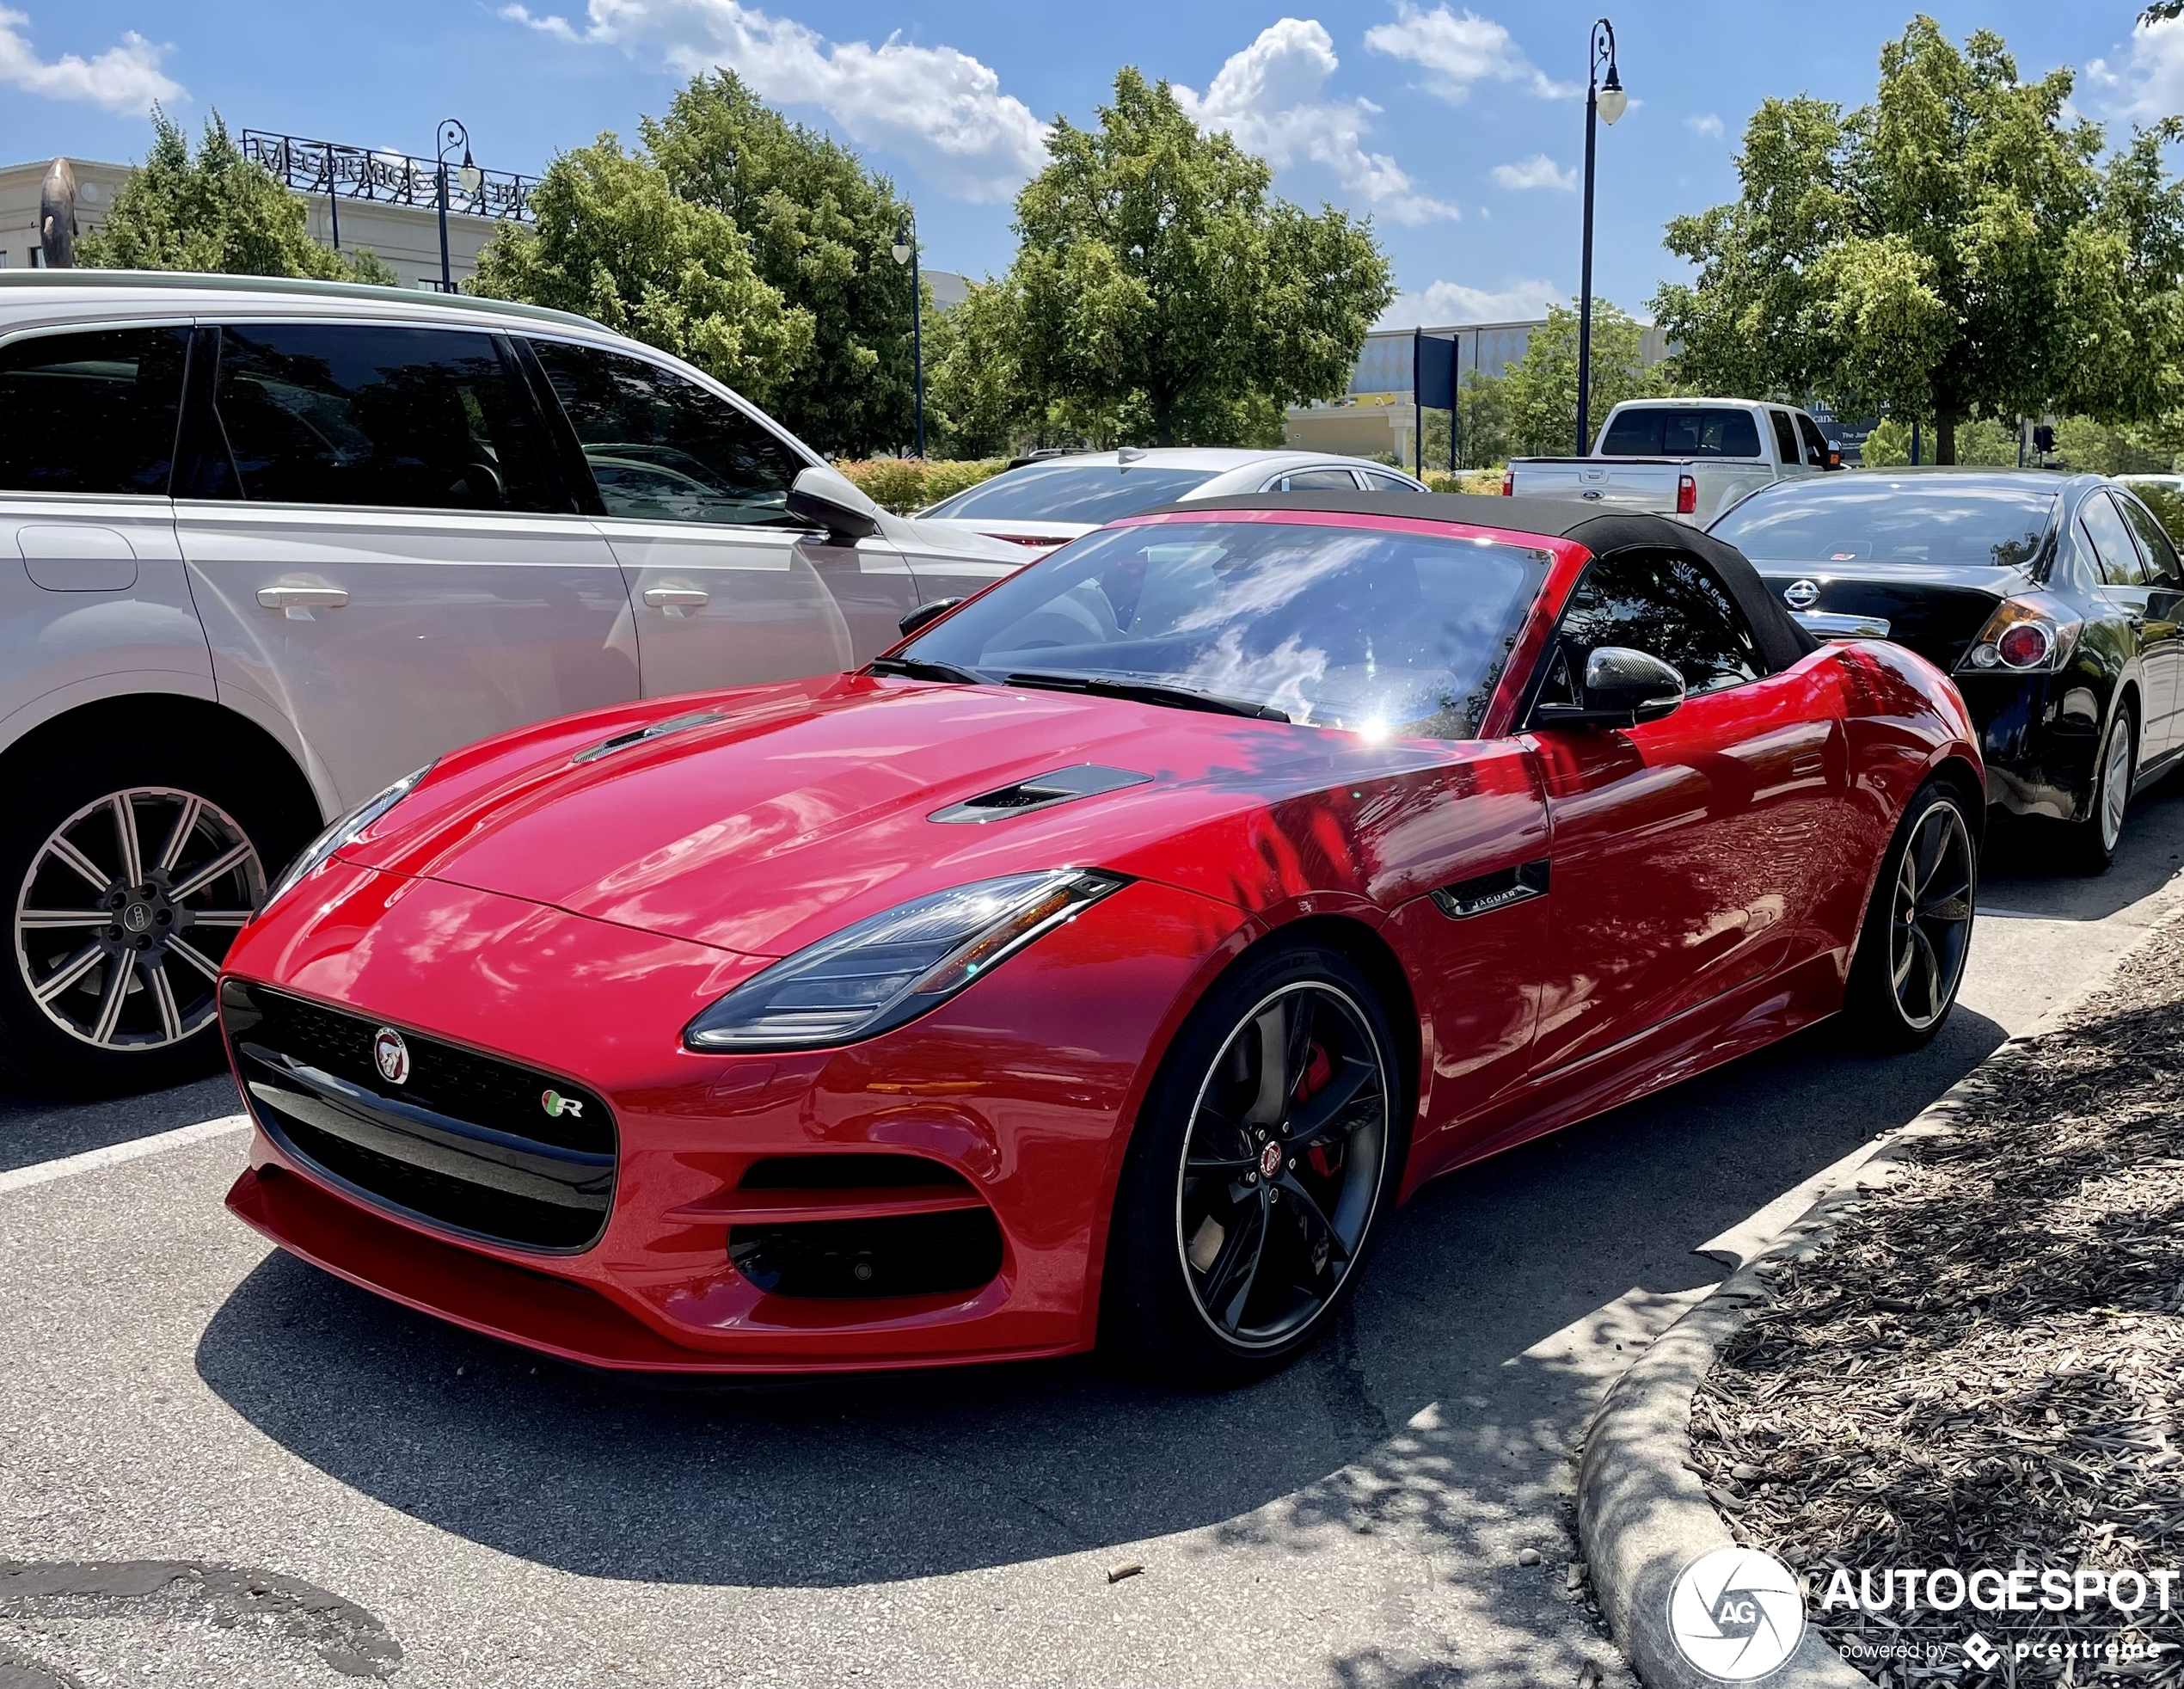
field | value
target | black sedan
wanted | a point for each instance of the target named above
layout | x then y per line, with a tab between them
2056	602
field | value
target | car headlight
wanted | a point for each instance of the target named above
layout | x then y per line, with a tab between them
893	967
341	832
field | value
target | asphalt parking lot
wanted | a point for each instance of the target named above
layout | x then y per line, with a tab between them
376	1493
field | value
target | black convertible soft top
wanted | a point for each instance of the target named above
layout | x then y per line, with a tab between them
1782	640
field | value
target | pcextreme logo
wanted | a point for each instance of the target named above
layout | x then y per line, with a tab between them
1736	1614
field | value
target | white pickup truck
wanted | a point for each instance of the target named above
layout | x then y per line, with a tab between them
1688	458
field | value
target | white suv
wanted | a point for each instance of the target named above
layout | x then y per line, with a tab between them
278	543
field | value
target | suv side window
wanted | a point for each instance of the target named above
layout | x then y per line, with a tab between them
372	414
1816	445
1669	605
91	412
661	447
1785	436
2163	569
2103	529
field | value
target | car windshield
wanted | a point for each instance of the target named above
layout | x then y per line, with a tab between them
1860	519
1368	628
1073	492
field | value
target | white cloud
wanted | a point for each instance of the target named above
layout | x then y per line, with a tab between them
1456	52
1268	96
1705	125
1536	171
125	78
1448	302
2149	85
942	109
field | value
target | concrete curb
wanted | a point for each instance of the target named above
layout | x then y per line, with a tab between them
1642	1515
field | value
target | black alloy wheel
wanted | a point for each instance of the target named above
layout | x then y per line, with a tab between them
1271	1154
1917	932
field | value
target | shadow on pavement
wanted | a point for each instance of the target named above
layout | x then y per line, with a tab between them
839	1482
2020	873
44	1128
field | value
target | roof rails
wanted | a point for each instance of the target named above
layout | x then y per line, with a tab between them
199	281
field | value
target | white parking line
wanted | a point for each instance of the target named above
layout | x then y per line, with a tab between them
44	1172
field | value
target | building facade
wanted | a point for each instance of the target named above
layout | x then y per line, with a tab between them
390	205
1376	415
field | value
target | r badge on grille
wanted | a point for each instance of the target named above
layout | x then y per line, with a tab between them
390	1056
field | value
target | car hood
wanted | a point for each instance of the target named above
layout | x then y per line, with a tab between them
788	811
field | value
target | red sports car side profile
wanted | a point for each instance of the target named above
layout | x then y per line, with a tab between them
1102	966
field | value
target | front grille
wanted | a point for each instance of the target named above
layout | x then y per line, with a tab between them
465	1141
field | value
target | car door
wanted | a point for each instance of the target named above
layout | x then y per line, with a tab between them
384	560
728	588
2158	620
1686	852
95	600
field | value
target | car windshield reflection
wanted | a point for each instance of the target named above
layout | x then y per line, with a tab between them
1381	631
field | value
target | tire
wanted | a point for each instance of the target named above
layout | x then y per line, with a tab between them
1221	1275
63	1027
1917	929
2091	843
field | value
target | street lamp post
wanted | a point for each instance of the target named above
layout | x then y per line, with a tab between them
906	252
452	135
1607	100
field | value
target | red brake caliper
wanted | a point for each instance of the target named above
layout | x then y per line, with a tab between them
1319	1068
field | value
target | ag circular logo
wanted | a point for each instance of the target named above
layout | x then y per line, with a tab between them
1737	1614
390	1055
1801	595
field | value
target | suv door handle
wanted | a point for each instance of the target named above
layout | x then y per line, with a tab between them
297	602
677	600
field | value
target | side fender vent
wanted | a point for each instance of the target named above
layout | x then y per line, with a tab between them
1042	791
1497	890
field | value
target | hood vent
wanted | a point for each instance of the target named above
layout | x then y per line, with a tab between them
623	741
1042	791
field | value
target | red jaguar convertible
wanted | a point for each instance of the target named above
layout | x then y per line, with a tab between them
1104	965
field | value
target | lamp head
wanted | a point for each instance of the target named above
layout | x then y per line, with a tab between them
470	175
901	248
1611	100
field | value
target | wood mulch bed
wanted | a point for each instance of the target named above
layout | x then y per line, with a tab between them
1986	1366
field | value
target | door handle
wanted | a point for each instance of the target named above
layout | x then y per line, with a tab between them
676	600
296	603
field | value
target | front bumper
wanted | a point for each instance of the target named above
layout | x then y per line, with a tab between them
1017	1095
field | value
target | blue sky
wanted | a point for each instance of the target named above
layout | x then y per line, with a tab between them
1460	130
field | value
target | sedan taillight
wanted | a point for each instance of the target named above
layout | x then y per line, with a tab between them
2032	634
1687	495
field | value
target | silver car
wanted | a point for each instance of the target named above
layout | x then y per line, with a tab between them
1041	505
278	543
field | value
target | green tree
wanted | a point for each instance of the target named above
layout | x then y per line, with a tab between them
1539	391
1954	249
821	229
975	402
1155	278
615	242
216	211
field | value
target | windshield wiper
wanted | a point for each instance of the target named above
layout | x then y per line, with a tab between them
1148	692
920	668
